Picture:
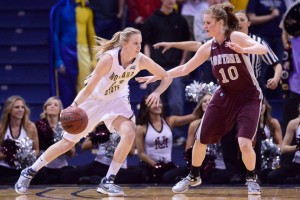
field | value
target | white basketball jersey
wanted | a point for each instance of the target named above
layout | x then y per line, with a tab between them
115	83
9	135
158	143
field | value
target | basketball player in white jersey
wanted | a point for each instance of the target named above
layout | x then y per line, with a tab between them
105	98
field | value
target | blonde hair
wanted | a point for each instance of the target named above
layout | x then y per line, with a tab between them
7	108
43	115
224	11
118	39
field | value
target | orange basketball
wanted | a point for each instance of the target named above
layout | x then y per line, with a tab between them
73	120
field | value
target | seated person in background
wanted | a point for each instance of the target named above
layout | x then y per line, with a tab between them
93	172
16	127
271	136
50	131
289	172
154	139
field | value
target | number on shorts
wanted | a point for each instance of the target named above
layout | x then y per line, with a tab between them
232	73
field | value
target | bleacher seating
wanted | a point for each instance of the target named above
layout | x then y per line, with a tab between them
24	51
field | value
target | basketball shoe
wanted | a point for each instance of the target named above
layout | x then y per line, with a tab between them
253	185
108	187
183	185
23	182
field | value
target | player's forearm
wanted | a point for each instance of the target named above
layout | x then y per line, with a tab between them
256	49
186	45
277	71
164	84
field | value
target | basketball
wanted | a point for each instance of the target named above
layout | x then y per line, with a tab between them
74	120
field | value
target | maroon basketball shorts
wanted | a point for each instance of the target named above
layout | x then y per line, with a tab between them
225	109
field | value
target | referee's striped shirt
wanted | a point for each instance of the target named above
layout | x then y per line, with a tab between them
256	60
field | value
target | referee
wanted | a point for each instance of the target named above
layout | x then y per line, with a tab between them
256	60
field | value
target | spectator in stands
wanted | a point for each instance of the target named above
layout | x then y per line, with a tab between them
93	172
108	17
265	17
239	5
15	125
140	10
50	131
154	139
189	9
292	83
72	60
289	172
167	25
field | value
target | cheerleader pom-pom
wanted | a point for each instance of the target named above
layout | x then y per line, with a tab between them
25	155
9	149
100	135
196	90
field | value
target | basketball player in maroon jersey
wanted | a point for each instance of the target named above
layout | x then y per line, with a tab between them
238	98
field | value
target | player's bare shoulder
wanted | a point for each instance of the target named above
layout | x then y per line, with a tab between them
145	61
238	37
205	48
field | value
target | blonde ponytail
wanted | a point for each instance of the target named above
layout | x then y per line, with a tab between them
117	40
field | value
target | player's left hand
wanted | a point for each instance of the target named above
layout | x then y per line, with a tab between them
272	84
235	47
153	98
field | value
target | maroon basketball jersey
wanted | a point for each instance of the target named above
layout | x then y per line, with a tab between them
232	70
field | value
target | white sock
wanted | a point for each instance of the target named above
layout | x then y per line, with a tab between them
39	163
113	169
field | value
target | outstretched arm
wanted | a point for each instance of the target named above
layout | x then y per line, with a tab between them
186	45
200	57
158	71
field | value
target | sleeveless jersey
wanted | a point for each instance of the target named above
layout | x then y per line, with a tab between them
158	144
297	154
267	131
115	83
9	135
232	70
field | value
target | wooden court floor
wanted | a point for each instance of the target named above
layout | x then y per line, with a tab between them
141	192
